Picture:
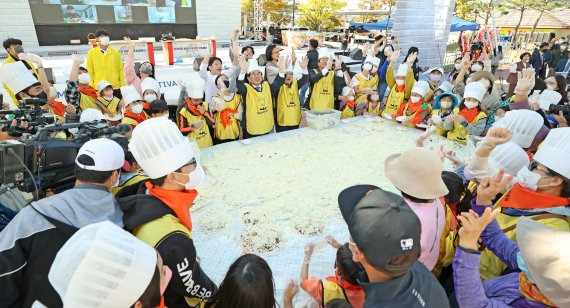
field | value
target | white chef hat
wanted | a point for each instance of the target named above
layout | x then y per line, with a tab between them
130	94
475	90
554	153
102	265
324	52
374	61
509	156
446	86
159	147
421	87
524	124
547	98
254	66
402	70
171	98
150	83
16	76
196	87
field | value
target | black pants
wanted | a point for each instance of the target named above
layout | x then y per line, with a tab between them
285	128
218	141
247	135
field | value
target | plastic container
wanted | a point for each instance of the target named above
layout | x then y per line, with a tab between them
320	119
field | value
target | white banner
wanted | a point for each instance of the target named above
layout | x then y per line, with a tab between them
184	48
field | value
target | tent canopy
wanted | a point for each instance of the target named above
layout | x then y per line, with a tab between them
457	24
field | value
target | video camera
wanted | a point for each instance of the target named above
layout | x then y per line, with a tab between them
30	112
555	109
42	162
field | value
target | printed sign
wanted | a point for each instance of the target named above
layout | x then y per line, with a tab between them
144	51
299	39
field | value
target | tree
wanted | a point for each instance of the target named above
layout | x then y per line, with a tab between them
280	10
521	6
465	9
372	5
320	14
541	6
486	10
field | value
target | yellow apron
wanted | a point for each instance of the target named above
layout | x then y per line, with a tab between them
111	105
395	99
459	133
332	291
202	135
374	110
231	131
347	112
361	98
289	105
86	102
259	110
322	93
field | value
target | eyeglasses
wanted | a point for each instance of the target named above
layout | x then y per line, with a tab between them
192	162
534	165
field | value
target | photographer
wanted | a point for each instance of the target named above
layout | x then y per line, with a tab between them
30	242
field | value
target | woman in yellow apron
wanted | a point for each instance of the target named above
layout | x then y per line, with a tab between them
228	112
400	83
194	118
443	105
364	83
468	118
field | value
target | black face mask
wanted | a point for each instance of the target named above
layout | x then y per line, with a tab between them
18	49
42	95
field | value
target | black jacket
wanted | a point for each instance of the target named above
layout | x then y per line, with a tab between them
176	249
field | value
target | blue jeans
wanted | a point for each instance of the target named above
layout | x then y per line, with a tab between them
302	93
382	86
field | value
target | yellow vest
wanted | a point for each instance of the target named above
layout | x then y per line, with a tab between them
111	105
491	266
332	291
202	135
86	102
395	99
363	84
155	231
289	105
232	130
322	93
374	110
106	67
347	112
459	133
130	121
8	60
259	110
134	179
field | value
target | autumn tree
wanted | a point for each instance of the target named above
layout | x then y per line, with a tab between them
320	14
369	5
522	6
542	6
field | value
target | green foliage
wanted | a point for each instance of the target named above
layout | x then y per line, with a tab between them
320	15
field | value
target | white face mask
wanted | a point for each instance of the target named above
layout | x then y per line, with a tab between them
457	66
415	99
446	104
104	40
117	182
84	78
471	105
374	97
367	67
150	98
400	82
476	67
196	178
528	179
137	109
109	98
435	77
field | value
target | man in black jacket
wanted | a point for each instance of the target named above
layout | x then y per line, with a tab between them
157	211
30	242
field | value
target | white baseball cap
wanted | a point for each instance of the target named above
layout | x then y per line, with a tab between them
554	153
439	69
510	157
547	98
545	252
130	94
91	114
421	87
159	147
107	155
524	124
16	76
150	83
102	265
102	85
475	90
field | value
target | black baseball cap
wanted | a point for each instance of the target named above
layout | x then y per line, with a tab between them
381	223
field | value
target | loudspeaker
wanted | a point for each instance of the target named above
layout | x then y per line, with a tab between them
356	54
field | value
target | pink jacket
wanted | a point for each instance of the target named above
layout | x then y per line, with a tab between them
432	219
131	77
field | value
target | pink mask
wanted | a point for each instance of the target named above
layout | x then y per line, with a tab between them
167	277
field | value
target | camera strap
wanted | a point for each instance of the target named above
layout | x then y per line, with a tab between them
63	227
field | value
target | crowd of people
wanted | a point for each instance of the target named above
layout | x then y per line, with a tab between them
492	233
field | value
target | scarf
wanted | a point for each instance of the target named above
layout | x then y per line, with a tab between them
225	116
401	88
350	103
178	201
520	198
469	114
343	283
413	107
57	107
530	291
89	91
192	108
146	106
137	117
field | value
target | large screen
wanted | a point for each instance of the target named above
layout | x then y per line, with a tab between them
52	12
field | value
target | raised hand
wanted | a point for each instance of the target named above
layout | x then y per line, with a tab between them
338	63
282	64
304	62
525	82
365	48
330	62
394	56
130	42
497	136
411	58
243	64
490	187
77	58
472	226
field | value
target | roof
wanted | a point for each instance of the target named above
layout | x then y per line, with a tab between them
556	19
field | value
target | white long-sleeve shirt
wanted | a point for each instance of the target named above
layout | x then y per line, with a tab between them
211	88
